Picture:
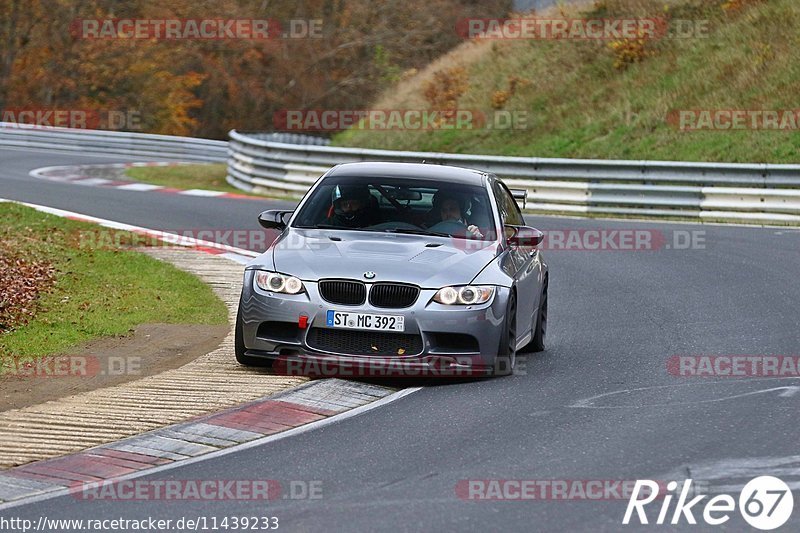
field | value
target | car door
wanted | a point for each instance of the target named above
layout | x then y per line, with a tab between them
522	261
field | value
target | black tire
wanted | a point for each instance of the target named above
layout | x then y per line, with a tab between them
239	349
538	342
506	358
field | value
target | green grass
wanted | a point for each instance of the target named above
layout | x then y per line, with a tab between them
580	106
101	289
210	177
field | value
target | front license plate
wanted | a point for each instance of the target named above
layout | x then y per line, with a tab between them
343	319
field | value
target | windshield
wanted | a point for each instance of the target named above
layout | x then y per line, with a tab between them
399	205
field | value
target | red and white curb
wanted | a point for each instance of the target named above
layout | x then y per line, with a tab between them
285	414
76	174
239	255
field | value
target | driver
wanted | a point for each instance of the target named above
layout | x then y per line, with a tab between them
352	207
451	209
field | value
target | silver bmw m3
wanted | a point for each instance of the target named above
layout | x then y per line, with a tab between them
397	269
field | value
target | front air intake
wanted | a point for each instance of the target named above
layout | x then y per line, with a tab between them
393	295
343	292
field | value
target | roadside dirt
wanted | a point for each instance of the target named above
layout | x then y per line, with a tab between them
150	349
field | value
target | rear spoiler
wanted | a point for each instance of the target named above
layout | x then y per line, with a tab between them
520	194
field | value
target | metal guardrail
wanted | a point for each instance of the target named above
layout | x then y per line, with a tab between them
290	163
706	191
112	142
289	138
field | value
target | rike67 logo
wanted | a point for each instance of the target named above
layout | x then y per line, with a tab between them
766	503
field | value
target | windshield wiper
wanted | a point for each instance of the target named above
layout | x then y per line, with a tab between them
330	226
414	231
408	231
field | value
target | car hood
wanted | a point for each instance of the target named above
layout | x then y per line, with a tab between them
430	262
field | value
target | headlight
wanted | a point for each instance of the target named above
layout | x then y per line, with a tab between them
274	282
466	295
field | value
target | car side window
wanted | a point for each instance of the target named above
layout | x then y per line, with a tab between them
509	210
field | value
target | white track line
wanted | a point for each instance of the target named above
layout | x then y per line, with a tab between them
90	181
202	192
139	187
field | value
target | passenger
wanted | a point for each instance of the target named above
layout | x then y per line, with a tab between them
451	209
352	207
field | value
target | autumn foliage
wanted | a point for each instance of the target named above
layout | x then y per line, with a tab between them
446	87
206	87
22	280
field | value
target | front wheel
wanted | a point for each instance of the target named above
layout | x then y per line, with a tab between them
506	358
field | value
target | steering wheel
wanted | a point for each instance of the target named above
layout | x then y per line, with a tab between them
393	225
451	227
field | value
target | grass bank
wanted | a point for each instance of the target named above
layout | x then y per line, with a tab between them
210	177
616	99
81	283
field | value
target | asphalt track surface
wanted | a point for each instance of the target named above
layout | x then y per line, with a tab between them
616	318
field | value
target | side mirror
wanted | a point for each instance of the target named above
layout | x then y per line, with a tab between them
273	219
523	236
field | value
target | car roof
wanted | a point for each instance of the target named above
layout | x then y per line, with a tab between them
409	170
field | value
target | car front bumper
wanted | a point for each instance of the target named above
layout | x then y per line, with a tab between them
438	339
